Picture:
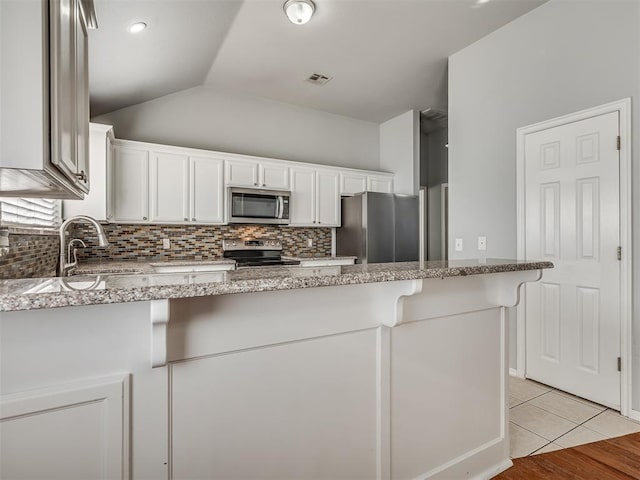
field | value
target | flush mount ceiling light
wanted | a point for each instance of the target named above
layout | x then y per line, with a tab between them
137	27
299	11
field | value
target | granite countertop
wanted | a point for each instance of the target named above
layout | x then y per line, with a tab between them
27	294
140	266
320	259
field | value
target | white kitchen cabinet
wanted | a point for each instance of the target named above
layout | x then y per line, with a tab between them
303	196
328	198
130	185
95	202
352	183
241	173
207	189
169	187
251	173
274	175
380	183
44	96
315	197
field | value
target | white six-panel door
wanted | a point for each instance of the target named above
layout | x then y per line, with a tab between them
572	219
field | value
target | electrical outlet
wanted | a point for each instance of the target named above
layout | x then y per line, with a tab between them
482	243
458	244
166	243
309	242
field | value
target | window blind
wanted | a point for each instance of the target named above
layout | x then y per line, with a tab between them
36	212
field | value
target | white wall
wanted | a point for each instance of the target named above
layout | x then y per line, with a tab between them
212	119
562	57
400	151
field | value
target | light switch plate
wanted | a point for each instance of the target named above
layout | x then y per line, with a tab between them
482	243
309	242
166	243
458	244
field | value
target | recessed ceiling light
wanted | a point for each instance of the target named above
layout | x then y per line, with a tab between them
137	27
299	11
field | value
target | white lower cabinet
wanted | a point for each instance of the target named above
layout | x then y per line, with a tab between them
315	197
130	185
169	187
76	432
226	409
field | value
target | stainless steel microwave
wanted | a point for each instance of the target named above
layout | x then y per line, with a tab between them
252	205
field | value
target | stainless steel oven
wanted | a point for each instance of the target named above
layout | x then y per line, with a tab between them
252	205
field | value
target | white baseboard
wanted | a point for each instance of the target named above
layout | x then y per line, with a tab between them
514	373
634	415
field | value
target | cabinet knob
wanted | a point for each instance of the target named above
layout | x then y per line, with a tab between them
144	218
81	176
255	184
264	184
186	219
193	219
314	221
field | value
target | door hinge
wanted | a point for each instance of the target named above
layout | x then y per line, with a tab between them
619	364
619	251
618	143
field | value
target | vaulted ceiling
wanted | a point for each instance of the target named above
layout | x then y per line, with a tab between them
384	56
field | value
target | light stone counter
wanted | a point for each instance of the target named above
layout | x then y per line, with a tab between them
27	294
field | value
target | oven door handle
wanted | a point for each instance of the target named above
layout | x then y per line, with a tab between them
279	207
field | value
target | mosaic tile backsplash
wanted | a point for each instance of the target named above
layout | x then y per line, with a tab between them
193	242
30	256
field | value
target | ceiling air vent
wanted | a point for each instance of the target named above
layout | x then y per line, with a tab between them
318	79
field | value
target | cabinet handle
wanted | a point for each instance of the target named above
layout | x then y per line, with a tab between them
186	219
193	219
81	176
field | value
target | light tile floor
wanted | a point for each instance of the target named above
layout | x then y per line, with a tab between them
542	419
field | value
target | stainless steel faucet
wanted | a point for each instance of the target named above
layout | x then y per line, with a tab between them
65	263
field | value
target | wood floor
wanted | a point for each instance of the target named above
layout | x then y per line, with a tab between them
613	459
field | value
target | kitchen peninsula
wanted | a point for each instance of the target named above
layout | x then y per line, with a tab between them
387	371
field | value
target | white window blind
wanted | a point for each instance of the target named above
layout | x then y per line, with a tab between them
35	212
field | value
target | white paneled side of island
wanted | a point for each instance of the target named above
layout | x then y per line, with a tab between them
387	380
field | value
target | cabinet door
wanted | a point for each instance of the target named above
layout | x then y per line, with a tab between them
242	173
303	196
379	183
207	190
169	187
82	92
328	198
274	176
352	183
130	185
63	86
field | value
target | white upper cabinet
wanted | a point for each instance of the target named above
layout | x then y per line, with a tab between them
44	120
242	173
207	190
380	183
352	183
251	173
169	187
147	185
328	198
303	196
130	185
150	183
315	197
274	175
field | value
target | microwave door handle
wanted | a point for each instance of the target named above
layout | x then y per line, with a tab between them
280	207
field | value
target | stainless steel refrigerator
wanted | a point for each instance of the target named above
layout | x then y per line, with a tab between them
379	228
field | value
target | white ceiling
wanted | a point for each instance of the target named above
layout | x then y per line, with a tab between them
386	56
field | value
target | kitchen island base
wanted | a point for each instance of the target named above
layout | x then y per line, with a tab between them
388	380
